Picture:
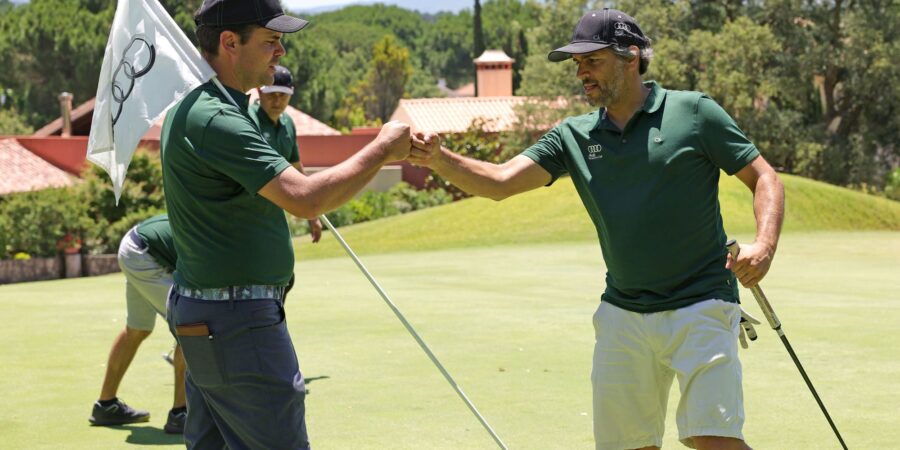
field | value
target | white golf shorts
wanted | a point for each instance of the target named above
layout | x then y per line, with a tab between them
147	285
636	358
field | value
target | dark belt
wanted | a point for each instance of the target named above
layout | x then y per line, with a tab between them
251	292
136	238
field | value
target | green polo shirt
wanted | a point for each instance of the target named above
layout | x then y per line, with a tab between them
214	162
652	193
281	134
157	233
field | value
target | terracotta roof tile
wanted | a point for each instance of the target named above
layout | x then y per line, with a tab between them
455	115
24	171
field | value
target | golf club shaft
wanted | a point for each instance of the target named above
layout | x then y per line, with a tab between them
769	312
412	331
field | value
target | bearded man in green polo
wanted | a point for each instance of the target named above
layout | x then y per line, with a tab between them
646	165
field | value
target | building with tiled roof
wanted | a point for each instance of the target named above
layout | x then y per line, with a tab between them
24	171
494	107
456	115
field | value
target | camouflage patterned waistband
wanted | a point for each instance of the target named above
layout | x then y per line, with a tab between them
253	292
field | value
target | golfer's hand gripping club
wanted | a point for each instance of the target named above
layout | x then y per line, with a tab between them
734	249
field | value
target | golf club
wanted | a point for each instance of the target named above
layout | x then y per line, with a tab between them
767	310
412	331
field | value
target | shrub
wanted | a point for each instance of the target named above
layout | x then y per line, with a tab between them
892	185
36	221
3	240
474	143
142	196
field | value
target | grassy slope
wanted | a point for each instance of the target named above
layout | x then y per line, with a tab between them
555	214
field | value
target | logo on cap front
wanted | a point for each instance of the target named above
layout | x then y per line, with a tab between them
621	28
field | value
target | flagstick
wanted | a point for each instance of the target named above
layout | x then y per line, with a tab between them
224	91
397	312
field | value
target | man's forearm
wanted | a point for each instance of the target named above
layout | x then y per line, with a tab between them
768	208
336	185
475	177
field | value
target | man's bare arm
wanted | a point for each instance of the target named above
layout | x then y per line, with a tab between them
484	179
768	207
312	195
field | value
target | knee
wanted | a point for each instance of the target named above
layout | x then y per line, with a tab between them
719	443
136	335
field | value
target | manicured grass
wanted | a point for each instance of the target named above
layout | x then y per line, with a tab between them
511	323
556	214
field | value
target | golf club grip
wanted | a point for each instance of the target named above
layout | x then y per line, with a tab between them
734	249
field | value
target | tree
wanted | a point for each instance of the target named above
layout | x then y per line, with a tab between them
541	77
379	93
448	40
11	123
506	26
51	46
478	42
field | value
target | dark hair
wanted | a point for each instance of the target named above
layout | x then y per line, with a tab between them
208	35
646	54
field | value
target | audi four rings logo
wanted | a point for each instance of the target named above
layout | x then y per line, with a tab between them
134	65
621	28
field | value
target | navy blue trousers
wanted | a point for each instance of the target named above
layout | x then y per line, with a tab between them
243	382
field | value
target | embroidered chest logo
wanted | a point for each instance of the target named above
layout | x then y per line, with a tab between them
595	151
267	135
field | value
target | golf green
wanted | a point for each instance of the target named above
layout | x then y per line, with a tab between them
510	323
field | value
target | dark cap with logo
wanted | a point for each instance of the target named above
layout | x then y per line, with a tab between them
265	13
284	82
600	29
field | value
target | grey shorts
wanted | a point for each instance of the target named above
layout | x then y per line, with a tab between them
147	283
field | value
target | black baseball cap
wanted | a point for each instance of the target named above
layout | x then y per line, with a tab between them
284	82
265	13
600	29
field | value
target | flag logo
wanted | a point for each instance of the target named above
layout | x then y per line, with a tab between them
128	72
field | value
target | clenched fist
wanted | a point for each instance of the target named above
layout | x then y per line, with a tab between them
394	139
426	148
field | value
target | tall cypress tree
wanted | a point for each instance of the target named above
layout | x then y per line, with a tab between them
478	48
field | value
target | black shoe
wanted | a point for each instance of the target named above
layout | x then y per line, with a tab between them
117	413
175	422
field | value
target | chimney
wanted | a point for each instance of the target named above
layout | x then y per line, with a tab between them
494	74
65	109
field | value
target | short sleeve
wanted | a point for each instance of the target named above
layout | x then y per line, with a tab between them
722	140
548	153
232	145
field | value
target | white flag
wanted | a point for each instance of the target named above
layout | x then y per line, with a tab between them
149	65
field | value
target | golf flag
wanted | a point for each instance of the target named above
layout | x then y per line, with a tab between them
149	65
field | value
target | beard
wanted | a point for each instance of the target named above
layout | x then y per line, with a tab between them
610	91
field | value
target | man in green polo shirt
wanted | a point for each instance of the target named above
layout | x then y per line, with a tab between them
147	258
278	128
646	166
226	193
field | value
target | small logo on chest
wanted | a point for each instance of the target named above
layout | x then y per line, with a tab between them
595	151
